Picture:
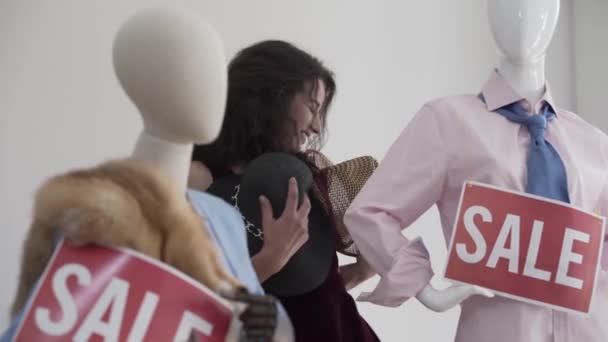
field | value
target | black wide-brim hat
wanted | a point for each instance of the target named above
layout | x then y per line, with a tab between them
269	175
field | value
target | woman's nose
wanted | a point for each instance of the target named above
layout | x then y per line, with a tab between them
315	125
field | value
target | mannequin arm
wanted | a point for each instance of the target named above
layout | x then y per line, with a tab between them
407	182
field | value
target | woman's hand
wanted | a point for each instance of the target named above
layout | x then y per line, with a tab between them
283	236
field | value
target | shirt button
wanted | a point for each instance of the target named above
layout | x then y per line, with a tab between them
526	106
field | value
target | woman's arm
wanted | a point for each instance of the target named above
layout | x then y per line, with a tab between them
264	265
200	177
355	273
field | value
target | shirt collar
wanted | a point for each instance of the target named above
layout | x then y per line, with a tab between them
498	93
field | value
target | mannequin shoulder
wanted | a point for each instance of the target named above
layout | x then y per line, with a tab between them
452	105
206	203
450	111
576	124
583	132
221	217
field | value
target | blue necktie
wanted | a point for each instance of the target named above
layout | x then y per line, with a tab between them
546	171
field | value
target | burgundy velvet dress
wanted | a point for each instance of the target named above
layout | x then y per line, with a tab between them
328	313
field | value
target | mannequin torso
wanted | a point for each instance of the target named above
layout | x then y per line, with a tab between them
522	30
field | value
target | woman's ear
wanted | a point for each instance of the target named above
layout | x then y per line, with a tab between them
199	177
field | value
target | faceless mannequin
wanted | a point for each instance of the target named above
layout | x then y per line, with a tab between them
171	64
522	31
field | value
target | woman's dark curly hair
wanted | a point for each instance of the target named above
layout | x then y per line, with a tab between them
263	79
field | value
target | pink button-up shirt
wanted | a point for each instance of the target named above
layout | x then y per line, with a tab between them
459	138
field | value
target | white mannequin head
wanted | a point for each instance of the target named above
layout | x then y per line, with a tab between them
523	29
171	64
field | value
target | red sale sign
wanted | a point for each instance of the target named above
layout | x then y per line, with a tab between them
526	248
106	294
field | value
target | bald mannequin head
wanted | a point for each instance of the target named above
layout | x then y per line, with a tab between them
171	64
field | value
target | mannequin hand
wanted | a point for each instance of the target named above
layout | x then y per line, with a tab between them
259	318
284	236
442	300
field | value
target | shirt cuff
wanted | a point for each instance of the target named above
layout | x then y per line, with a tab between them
411	272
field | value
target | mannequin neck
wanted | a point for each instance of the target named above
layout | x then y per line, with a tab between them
527	79
172	158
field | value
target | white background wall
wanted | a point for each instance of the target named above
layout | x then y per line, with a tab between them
591	46
60	106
